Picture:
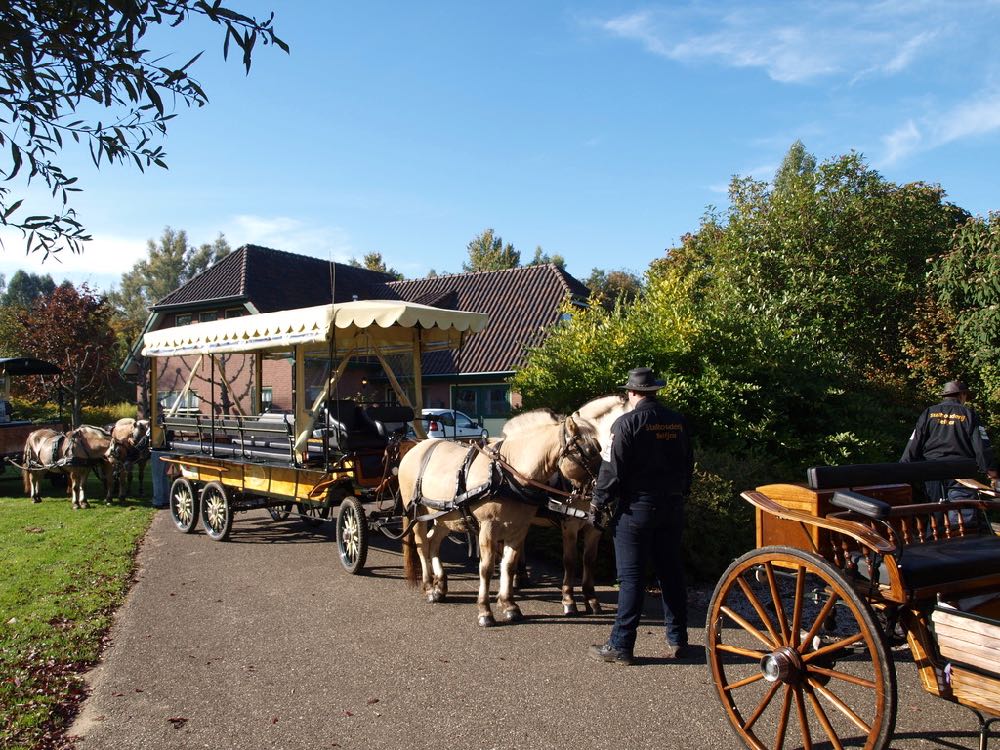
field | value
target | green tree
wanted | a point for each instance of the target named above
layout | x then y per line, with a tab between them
71	328
966	279
169	263
608	287
542	258
25	287
86	71
487	252
373	262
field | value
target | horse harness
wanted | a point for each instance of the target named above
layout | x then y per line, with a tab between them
504	481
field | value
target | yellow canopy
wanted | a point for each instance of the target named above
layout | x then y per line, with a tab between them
386	324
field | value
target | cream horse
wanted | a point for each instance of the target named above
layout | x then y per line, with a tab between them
129	448
505	481
73	453
600	413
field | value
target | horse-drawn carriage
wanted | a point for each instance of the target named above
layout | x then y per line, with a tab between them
329	452
14	431
801	631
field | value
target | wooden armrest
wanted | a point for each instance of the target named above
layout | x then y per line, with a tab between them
860	533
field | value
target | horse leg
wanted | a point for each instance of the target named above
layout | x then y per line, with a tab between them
107	475
421	542
505	596
487	552
591	541
78	480
570	531
439	576
142	473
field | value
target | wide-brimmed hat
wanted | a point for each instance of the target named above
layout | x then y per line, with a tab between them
953	388
642	379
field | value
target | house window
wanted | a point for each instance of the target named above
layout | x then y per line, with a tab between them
208	317
482	400
235	313
190	403
182	320
266	398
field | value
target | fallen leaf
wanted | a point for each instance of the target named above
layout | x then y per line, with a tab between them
177	721
372	701
274	719
348	713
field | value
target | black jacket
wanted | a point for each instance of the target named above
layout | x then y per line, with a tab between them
950	431
650	457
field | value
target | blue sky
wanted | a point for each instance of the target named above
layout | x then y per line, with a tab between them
597	130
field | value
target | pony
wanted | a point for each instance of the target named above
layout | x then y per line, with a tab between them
495	490
129	448
72	453
600	414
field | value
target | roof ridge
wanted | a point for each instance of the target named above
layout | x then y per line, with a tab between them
466	274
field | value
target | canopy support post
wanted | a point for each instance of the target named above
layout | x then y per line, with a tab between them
309	418
187	386
418	385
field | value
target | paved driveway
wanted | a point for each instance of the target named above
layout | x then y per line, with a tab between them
265	641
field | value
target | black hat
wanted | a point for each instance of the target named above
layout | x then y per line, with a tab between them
642	379
954	387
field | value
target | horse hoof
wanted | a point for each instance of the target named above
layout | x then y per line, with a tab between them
435	597
513	615
36	499
570	610
486	621
594	607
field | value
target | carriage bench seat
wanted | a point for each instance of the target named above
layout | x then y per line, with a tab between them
941	562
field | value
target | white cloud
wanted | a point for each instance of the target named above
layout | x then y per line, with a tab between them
793	43
976	116
291	235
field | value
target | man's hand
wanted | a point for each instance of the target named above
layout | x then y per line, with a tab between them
595	516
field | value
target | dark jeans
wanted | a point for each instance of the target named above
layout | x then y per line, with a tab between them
646	533
943	490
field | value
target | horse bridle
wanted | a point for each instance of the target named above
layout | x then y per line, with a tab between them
578	451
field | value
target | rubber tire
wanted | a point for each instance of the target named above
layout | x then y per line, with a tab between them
183	505
731	693
352	535
218	528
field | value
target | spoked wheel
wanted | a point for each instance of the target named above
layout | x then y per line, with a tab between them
183	505
280	512
784	678
352	535
216	511
313	514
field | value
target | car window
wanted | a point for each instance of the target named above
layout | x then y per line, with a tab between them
447	419
464	422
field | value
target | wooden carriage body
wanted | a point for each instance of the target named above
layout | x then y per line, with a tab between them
927	574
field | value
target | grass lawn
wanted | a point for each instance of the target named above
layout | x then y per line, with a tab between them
62	574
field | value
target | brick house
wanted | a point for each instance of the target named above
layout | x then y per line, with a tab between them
522	303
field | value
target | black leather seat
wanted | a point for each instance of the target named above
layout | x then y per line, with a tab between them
948	561
350	429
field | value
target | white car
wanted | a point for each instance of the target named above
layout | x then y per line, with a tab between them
451	424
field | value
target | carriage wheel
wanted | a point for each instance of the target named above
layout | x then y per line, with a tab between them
183	505
781	676
313	514
352	535
281	512
216	511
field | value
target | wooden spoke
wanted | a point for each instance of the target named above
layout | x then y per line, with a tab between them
744	682
800	585
836	646
786	709
755	603
824	720
859	681
750	653
779	609
761	706
800	706
820	619
749	628
840	706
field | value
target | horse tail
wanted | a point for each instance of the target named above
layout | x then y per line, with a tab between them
26	480
411	560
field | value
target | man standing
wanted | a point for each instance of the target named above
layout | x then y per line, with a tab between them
951	431
647	470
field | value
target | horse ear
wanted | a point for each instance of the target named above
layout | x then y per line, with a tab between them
571	427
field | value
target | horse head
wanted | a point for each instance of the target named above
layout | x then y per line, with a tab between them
580	456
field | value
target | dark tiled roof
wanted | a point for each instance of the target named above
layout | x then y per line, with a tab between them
276	280
520	302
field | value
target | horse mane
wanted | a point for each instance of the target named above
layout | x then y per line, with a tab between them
595	409
530	420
